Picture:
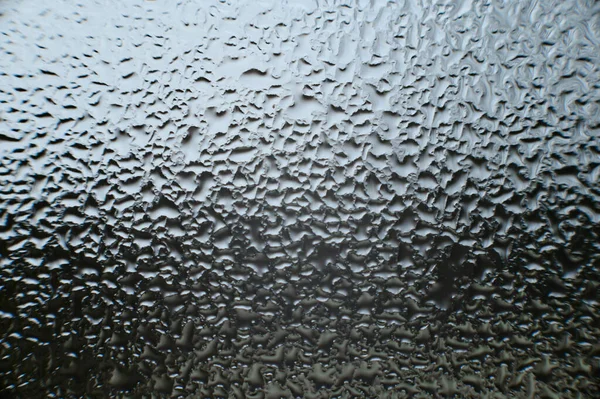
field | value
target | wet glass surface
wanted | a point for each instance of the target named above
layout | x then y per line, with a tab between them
265	199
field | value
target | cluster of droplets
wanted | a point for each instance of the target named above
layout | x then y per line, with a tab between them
300	199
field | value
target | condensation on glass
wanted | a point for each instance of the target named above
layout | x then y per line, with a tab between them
279	199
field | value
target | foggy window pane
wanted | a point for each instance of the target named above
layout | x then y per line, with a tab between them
299	199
